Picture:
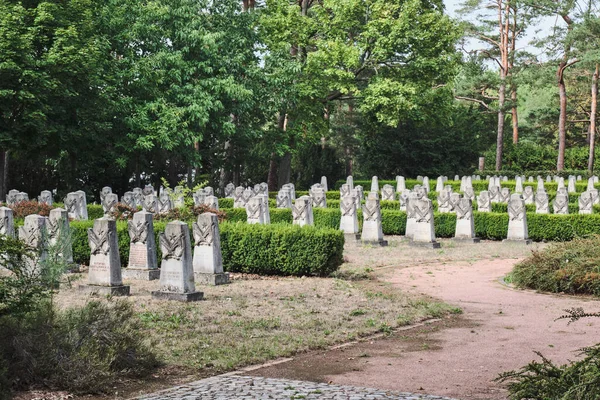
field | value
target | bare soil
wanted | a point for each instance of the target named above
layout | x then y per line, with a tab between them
460	357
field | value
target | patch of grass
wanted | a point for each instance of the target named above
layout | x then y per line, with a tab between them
569	267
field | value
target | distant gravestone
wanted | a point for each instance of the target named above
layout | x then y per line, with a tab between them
199	196
82	204
150	204
439	184
59	234
561	204
374	184
176	268
148	190
7	222
129	199
292	189
178	197
46	198
345	190
517	220
372	231
360	194
105	190
454	199
283	199
11	197
540	185
254	211
530	180
586	203
139	196
109	204
483	202
444	201
208	260
528	196
72	205
400	184
426	184
104	273
403	198
349	218
208	190
388	193
212	202
541	202
238	198
456	177
571	185
266	214
302	213
578	178
411	214
34	234
494	193
164	203
229	189
324	183
504	195
142	264
590	185
518	185
469	193
465	224
350	182
424	230
319	198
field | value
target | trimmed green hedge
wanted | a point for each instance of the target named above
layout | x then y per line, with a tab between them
276	249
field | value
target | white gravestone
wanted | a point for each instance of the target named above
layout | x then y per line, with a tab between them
59	234
349	218
46	198
7	222
561	204
528	195
34	234
372	231
208	260
142	264
517	220
483	202
254	211
541	202
388	193
109	204
424	229
586	203
302	213
465	224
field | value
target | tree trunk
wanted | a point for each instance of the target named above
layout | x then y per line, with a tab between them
515	117
500	138
348	161
562	119
3	174
285	169
593	120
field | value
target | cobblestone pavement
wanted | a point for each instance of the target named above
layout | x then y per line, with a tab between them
257	388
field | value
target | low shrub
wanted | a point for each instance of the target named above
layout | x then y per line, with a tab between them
570	267
95	211
25	208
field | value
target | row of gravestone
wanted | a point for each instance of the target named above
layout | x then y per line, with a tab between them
180	268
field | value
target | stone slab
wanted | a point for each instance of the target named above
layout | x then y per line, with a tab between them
183	297
141	274
466	240
351	236
122	290
211	279
427	245
381	243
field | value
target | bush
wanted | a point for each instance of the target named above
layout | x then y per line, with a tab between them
25	208
95	211
281	249
322	257
83	350
570	267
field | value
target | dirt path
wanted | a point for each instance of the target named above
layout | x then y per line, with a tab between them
498	331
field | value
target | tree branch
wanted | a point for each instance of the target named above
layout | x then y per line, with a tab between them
481	102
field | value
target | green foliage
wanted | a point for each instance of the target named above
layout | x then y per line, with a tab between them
280	249
569	267
82	350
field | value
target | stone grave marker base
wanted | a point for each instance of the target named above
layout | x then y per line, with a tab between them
211	279
183	297
466	240
349	237
141	274
428	245
122	290
518	241
381	243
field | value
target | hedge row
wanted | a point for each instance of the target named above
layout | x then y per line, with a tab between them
276	249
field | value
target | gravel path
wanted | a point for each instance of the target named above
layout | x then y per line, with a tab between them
254	388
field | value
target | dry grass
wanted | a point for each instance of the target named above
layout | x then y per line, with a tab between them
255	319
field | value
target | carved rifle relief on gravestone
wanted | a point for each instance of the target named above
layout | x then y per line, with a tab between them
348	206
586	202
516	210
299	211
72	204
203	234
99	241
138	231
423	210
541	202
483	201
371	213
464	209
253	210
172	247
149	204
108	203
129	199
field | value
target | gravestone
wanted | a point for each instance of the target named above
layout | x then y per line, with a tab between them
372	232
359	194
178	200
292	189
420	191
586	203
302	213
176	268
403	198
208	191
494	193
469	193
212	202
82	204
257	189
375	184
528	196
548	178
344	190
129	200
483	202
109	204
148	190
540	185
59	234
46	198
504	195
104	272
517	220
238	198
150	203
142	264
531	180
72	205
424	230
318	197
578	178
208	260
324	183
34	234
590	185
254	211
199	196
284	200
349	218
426	184
562	190
444	200
388	193
439	184
454	199
11	197
456	177
541	202
561	204
105	190
571	185
560	183
400	184
350	182
465	224
138	193
411	215
419	178
518	185
7	222
229	189
247	194
266	215
164	204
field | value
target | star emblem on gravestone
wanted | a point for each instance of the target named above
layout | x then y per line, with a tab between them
99	241
172	246
138	232
203	234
